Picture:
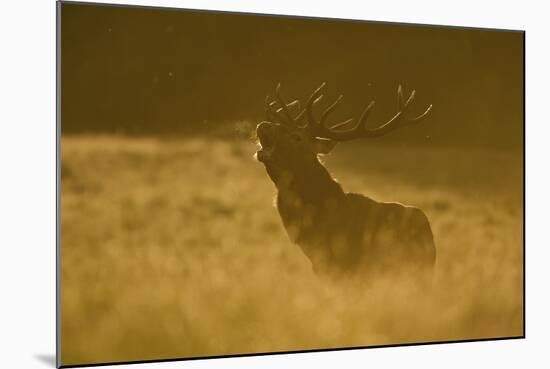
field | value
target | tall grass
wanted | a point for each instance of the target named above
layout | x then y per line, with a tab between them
173	248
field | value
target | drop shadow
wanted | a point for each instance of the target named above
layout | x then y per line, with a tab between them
48	359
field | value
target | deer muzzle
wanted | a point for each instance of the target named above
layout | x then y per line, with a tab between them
266	135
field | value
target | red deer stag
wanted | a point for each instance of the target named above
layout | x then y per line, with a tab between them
342	234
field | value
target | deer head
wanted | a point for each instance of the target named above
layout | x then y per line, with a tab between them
291	138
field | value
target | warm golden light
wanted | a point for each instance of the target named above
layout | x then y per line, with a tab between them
171	245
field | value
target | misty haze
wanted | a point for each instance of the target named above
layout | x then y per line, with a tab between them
175	242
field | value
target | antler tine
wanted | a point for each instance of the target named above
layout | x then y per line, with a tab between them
292	103
330	109
299	117
267	107
295	108
404	106
362	120
365	114
400	100
423	115
342	124
282	103
410	99
315	97
270	110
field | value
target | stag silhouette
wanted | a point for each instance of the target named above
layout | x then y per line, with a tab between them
342	234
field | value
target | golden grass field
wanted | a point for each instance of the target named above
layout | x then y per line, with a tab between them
172	248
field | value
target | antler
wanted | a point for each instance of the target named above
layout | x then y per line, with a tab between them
283	114
320	129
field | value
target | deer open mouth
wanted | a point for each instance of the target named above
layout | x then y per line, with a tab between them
267	143
264	153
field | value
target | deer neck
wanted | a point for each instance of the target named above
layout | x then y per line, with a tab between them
306	197
310	185
305	201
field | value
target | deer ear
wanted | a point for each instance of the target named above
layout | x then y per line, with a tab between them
323	145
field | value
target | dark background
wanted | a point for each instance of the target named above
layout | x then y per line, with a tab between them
152	71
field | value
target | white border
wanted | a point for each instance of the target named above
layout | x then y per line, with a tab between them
27	203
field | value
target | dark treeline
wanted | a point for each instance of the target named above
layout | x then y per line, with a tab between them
153	71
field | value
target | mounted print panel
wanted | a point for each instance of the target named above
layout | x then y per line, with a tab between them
237	184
